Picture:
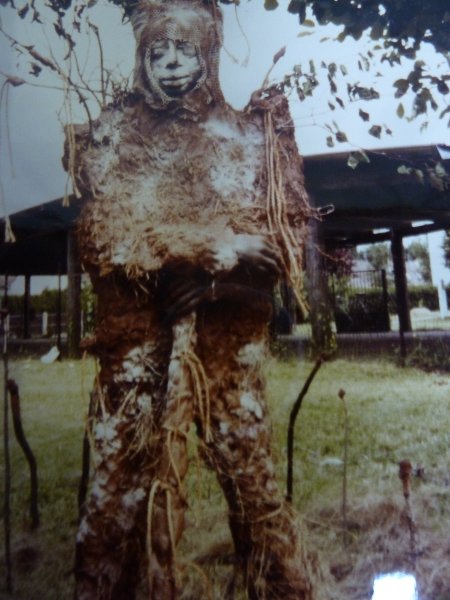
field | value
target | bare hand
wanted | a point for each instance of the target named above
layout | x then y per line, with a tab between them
259	254
182	294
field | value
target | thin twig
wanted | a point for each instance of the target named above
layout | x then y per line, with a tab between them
102	65
23	443
292	418
54	66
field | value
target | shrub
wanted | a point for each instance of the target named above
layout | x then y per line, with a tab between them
423	296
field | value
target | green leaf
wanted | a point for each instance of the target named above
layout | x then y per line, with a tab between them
419	175
443	87
332	69
400	111
402	86
308	23
330	141
23	11
440	170
354	158
364	115
375	131
341	137
404	170
270	4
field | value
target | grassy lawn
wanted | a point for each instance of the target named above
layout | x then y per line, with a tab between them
393	414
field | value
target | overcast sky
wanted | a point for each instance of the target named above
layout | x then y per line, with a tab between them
35	115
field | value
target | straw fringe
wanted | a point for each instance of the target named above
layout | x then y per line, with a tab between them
279	228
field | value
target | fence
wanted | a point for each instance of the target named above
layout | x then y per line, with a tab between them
361	302
47	325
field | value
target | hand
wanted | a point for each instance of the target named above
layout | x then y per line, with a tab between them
182	293
259	254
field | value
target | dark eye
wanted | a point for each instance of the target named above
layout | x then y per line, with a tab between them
158	49
187	48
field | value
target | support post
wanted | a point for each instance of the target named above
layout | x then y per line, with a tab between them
73	297
385	300
58	313
401	288
27	308
321	316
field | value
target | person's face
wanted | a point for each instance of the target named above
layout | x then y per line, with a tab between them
175	66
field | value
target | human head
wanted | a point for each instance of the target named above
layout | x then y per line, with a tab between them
177	48
174	65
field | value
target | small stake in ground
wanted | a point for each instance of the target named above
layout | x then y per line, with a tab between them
341	395
404	472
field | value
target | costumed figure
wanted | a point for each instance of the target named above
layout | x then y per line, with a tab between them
193	210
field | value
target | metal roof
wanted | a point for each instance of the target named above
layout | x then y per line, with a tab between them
41	239
396	189
405	189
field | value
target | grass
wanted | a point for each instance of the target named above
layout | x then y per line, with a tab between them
394	414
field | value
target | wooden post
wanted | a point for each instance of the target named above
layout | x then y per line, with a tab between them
323	337
26	307
73	297
58	313
401	288
385	299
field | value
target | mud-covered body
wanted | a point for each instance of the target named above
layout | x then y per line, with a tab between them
180	186
181	189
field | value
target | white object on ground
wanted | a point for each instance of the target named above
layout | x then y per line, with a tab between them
51	356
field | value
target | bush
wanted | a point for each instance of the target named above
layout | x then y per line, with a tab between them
45	301
423	296
431	356
371	299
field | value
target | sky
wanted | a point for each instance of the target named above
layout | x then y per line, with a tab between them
33	115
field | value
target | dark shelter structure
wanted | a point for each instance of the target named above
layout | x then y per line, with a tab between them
383	195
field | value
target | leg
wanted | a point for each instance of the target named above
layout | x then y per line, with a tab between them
264	528
167	500
133	352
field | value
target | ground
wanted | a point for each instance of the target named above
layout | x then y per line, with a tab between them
393	414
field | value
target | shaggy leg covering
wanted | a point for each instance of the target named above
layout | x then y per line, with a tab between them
133	350
265	531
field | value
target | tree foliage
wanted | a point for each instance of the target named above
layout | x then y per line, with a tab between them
446	248
419	251
396	28
378	255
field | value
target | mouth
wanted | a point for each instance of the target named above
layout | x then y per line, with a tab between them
175	81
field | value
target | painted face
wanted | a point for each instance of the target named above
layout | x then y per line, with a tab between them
175	66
